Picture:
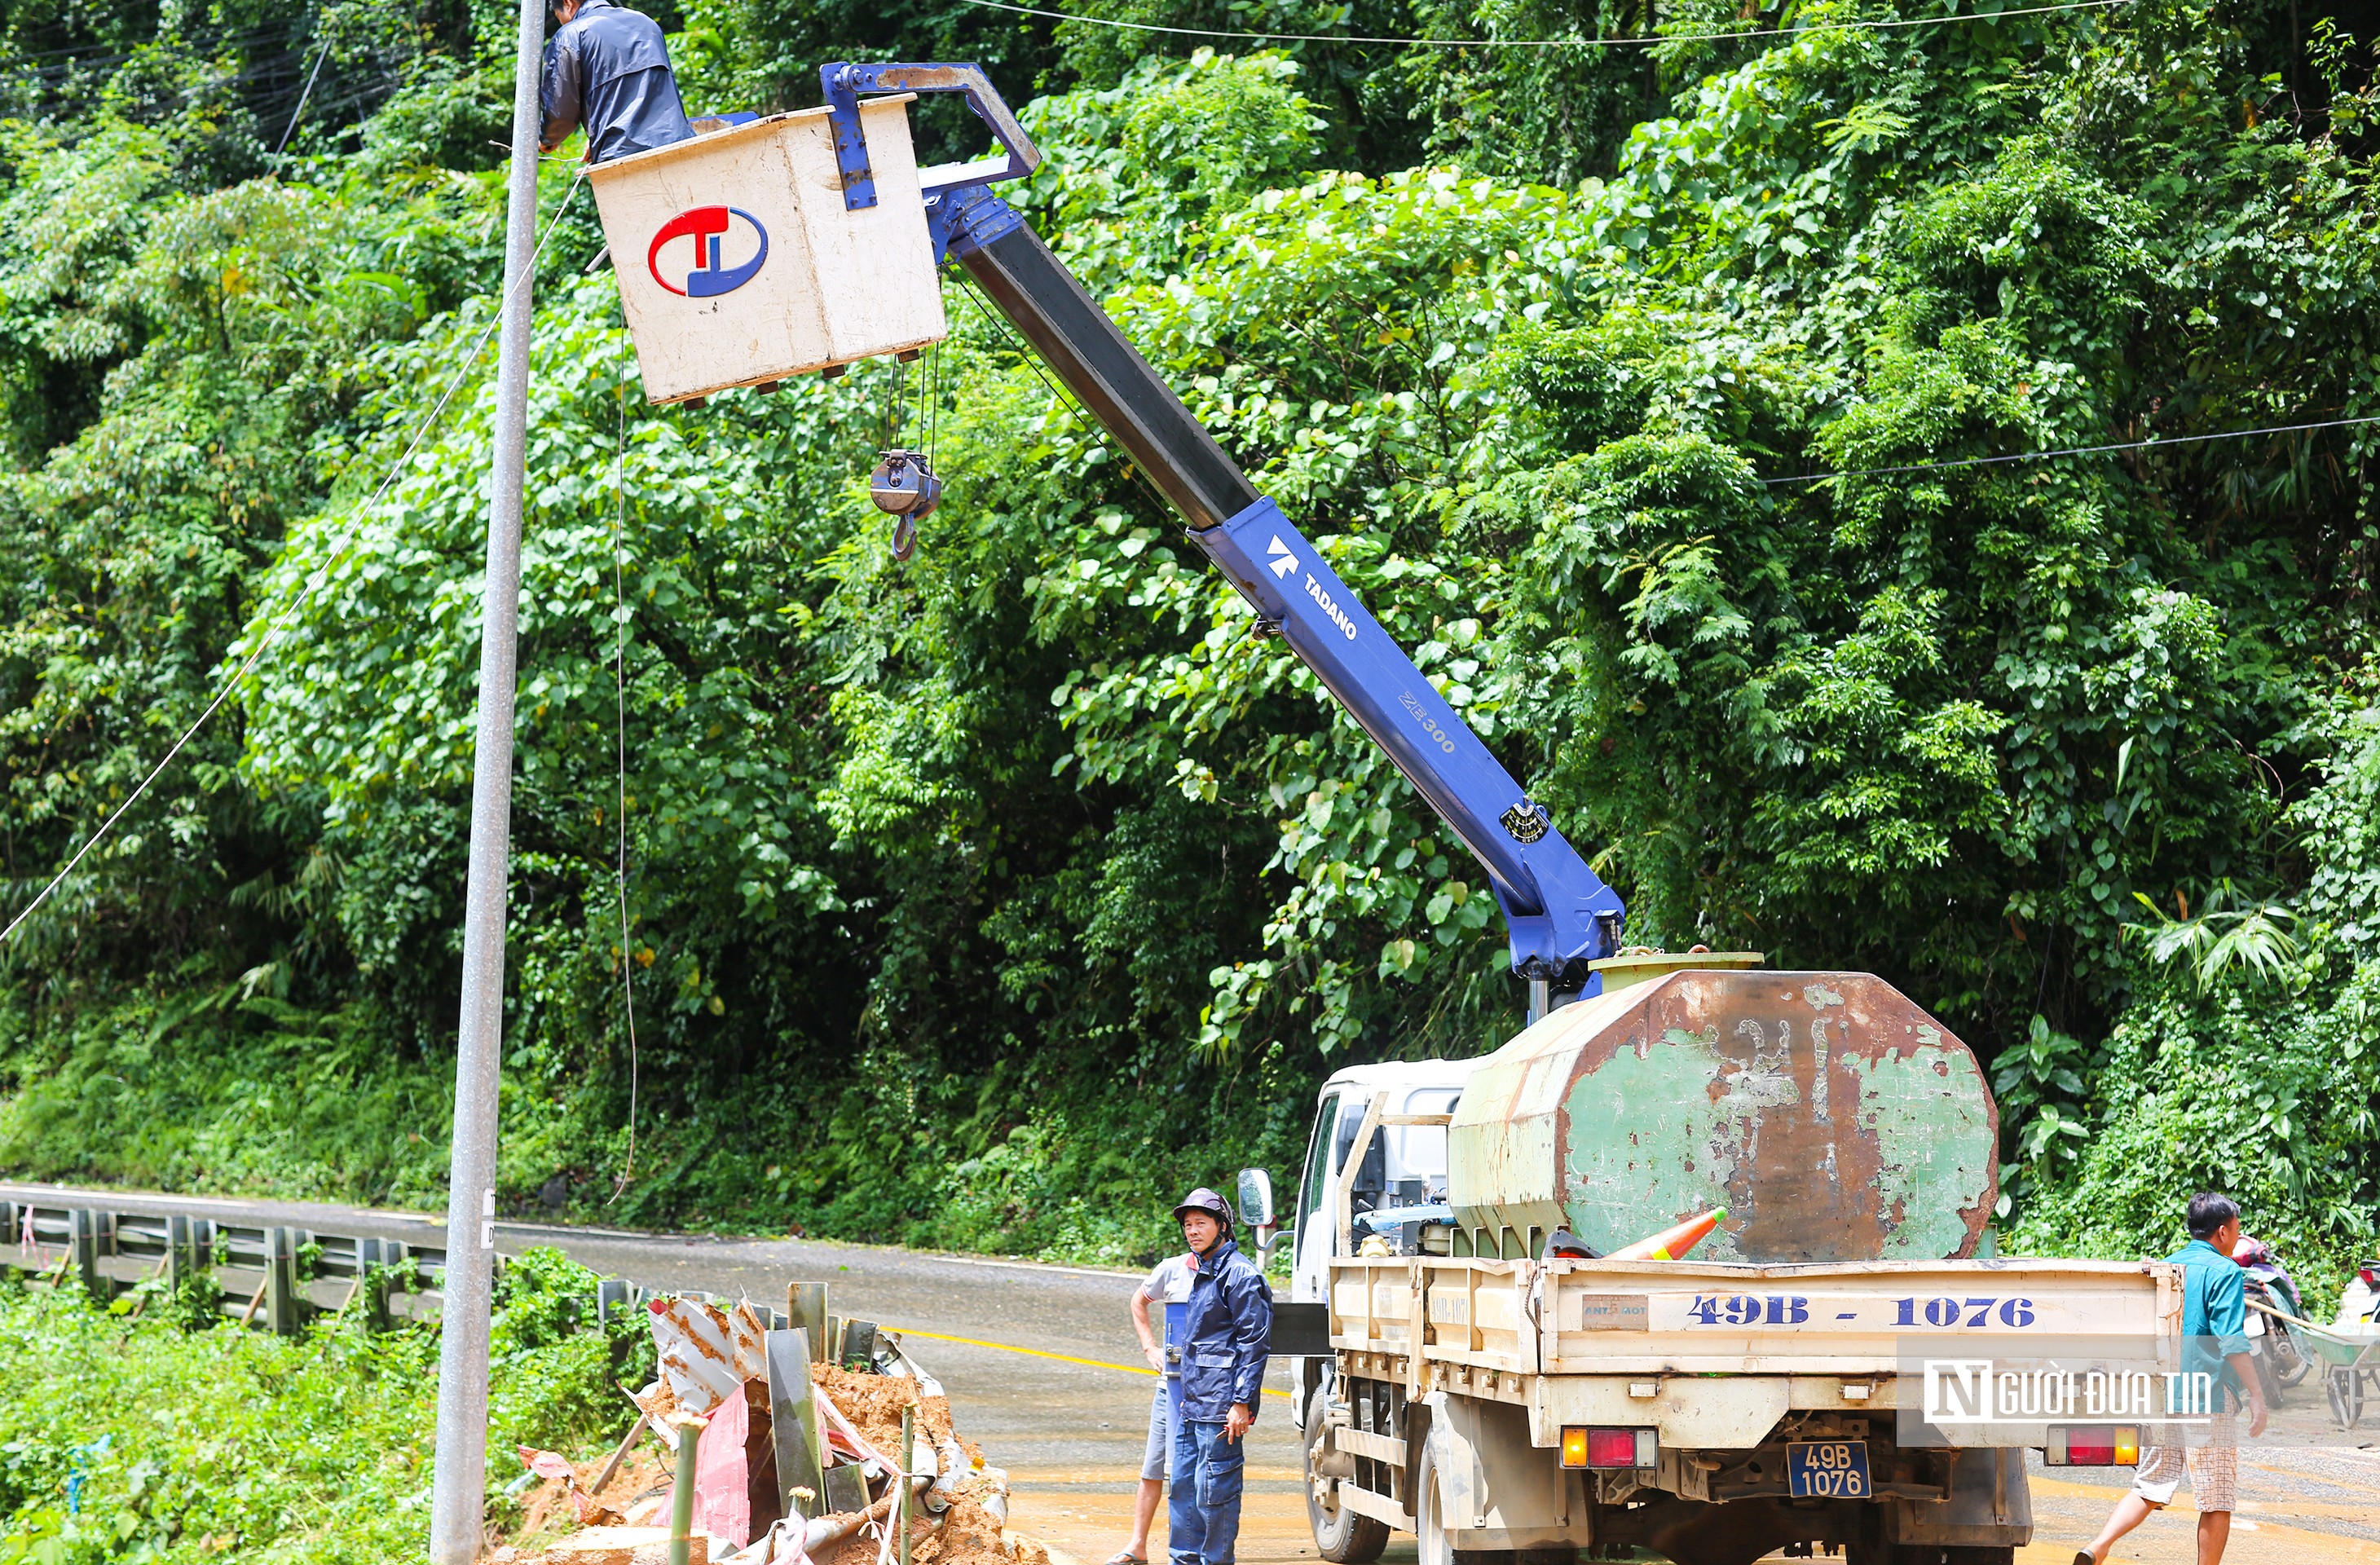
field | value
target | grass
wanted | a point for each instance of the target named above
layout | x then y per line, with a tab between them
216	1091
137	1438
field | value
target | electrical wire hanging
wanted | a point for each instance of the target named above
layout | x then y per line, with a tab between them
2073	451
1649	41
291	128
315	580
1064	399
620	715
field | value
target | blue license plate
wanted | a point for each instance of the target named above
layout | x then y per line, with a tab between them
1827	1468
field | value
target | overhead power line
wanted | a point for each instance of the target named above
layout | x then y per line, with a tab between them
314	580
291	128
1644	42
2074	451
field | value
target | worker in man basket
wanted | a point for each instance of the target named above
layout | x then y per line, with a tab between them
1225	1332
607	68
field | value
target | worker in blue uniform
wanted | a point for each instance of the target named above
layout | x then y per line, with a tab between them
1226	1337
607	68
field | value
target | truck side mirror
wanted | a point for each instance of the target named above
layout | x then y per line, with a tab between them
1256	1198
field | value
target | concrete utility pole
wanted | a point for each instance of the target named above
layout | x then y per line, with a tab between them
458	1495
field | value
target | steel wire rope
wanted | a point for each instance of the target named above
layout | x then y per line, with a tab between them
2074	451
315	580
1646	40
619	714
1065	400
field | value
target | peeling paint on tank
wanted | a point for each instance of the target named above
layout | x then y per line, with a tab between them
1928	1134
1833	1118
1677	1147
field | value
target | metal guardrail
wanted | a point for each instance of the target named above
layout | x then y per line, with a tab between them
273	1277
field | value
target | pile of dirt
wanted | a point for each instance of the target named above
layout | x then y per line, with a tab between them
638	1493
965	1535
873	1403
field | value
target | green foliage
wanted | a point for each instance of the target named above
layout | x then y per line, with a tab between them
226	1090
2220	938
2254	1074
1659	401
152	1442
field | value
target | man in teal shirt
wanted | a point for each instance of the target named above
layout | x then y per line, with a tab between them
2214	1343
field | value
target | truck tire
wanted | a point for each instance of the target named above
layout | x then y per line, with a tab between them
1429	1514
1340	1536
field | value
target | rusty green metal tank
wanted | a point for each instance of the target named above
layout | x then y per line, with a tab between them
1828	1113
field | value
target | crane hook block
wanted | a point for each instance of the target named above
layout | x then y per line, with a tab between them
904	485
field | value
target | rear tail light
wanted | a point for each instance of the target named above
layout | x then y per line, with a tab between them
1581	1446
2089	1445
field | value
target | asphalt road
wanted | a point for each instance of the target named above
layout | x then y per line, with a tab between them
1038	1361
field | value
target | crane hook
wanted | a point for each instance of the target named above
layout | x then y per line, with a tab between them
904	485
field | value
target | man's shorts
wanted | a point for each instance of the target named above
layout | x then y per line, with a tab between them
2214	1468
1156	1461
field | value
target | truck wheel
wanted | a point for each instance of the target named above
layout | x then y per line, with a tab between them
1429	1514
1340	1536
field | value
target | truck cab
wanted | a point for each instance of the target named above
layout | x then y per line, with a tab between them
1404	1166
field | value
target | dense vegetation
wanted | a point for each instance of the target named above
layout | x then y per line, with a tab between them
979	900
149	1441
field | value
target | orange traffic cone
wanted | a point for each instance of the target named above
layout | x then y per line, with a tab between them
1672	1243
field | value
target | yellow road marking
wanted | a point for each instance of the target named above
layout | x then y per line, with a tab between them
1037	1353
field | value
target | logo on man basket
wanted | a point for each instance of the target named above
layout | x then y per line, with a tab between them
709	228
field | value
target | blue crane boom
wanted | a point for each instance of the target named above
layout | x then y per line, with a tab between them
1558	915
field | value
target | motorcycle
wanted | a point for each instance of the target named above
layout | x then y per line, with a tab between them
2281	1357
2359	1305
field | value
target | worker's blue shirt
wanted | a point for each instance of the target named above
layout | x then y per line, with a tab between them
607	69
1225	1334
2214	1313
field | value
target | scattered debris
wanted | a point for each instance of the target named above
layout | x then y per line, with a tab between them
713	1365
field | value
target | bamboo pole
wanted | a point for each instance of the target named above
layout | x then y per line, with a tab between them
908	1462
619	1454
689	1440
